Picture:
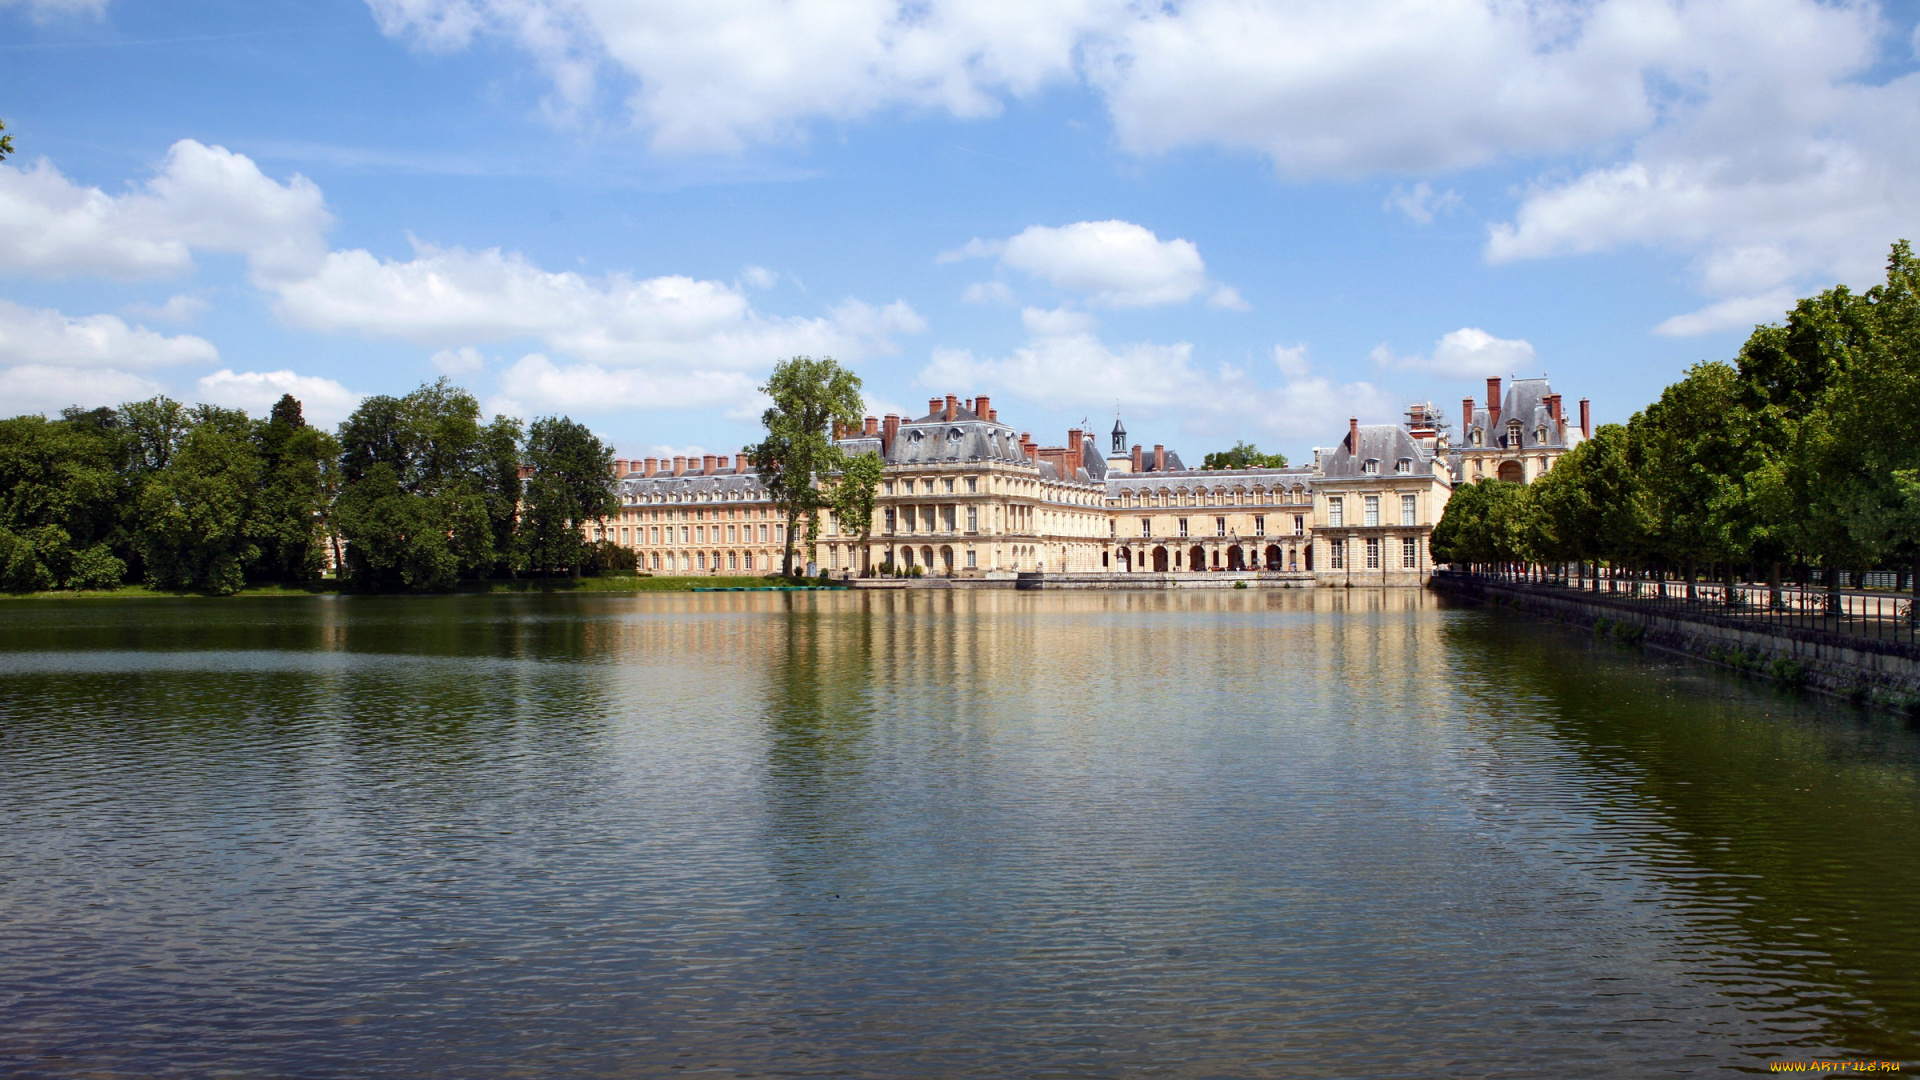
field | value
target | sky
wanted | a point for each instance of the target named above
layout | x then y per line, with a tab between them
1217	219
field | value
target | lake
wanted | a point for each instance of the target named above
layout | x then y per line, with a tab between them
930	833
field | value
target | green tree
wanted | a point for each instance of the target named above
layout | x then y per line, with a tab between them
1483	524
6	142
1244	455
853	494
571	486
61	496
290	520
798	456
195	516
421	489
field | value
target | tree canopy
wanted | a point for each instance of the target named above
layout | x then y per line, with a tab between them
1805	450
1244	455
798	458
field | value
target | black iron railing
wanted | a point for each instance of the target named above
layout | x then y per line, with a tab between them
1881	614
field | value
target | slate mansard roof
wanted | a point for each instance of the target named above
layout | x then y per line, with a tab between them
722	486
933	439
1525	401
1293	476
1386	445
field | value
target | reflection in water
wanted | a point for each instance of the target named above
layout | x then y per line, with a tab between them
928	833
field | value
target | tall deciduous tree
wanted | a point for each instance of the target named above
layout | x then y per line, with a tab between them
62	490
297	466
195	516
421	489
6	142
571	485
854	492
799	456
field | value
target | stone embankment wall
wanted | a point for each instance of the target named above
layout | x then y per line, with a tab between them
1885	673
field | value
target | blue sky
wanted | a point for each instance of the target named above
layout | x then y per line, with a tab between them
1231	218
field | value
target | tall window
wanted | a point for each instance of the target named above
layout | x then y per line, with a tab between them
1409	552
973	522
1373	553
888	526
1146	527
1409	509
1219	526
1259	524
909	486
946	512
972	559
1373	510
1336	511
1299	524
973	485
1183	526
1337	554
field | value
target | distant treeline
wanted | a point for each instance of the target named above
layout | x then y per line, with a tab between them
412	492
1803	453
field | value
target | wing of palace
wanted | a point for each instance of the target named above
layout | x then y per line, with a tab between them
967	497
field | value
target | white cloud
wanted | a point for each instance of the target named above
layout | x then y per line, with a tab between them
1421	203
44	9
535	384
44	336
1739	312
1112	263
1065	367
178	309
203	198
759	277
323	402
1466	353
1226	296
1779	169
464	360
450	297
987	292
47	388
1057	321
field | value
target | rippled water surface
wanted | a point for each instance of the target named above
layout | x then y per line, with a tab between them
929	834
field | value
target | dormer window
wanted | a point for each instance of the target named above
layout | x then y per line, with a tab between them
1370	467
1475	440
953	435
1513	434
1540	435
1403	466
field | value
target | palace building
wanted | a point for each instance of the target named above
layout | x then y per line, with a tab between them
969	498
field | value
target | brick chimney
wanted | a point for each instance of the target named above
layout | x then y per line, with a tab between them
1466	419
724	464
1553	407
982	408
1586	419
870	427
619	466
1493	408
1353	435
888	429
526	472
649	466
679	464
1138	464
953	407
994	415
1074	436
707	464
934	405
1159	458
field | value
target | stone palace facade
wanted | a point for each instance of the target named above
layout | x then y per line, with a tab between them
971	499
